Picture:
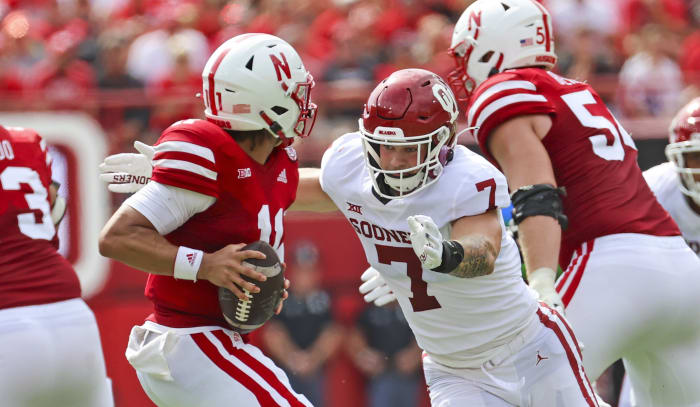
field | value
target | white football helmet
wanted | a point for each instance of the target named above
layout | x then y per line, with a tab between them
494	35
684	144
410	107
258	81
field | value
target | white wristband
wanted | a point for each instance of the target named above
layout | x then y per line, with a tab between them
187	263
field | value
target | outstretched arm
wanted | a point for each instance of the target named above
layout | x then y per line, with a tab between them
516	145
310	195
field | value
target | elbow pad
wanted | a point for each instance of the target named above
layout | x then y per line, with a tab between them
539	199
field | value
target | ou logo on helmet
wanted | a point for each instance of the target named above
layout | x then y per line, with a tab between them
446	99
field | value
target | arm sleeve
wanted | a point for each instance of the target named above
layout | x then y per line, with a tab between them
167	207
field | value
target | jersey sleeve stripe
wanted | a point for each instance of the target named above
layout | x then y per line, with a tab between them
499	87
506	101
47	156
185	166
194	159
185	147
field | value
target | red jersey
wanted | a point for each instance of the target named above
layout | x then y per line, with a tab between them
250	202
31	269
592	155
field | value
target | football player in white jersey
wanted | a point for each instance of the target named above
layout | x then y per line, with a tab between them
676	185
427	213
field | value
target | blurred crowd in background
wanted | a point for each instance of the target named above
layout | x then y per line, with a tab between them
135	66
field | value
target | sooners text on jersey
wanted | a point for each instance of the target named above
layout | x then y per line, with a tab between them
31	270
592	155
250	202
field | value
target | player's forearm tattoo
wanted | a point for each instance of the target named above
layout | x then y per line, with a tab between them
479	258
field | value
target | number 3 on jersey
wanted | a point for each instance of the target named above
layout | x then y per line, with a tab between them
577	102
11	179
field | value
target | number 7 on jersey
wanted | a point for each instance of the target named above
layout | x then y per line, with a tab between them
420	301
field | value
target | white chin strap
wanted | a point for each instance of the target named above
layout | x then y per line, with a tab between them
404	184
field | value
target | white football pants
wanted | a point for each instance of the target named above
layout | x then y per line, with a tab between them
541	367
637	297
50	355
206	366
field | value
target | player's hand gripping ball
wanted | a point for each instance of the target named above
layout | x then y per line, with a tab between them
245	316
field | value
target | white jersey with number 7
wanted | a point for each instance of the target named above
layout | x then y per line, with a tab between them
455	320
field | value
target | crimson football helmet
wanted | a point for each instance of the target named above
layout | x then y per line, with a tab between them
492	36
684	141
410	107
258	81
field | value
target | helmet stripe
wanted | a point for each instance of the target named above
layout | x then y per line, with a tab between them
212	99
545	21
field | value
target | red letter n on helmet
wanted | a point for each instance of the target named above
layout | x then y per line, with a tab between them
281	65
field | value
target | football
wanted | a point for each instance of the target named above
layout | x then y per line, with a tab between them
245	316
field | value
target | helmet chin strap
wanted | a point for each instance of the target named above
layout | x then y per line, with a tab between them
405	184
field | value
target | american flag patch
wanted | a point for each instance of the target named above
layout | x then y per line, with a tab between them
526	42
243	108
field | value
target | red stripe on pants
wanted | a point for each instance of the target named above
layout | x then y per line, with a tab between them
259	368
575	366
567	274
568	329
263	396
566	298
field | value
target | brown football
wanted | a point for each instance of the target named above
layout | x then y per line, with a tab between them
245	316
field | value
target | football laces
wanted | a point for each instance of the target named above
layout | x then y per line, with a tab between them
243	308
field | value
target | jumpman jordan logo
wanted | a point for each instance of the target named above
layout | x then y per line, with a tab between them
540	358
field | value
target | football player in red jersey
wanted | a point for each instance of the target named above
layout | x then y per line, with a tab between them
630	283
216	185
50	351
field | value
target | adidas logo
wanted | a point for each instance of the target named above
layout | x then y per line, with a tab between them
191	258
283	176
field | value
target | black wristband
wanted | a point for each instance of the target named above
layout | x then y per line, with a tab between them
452	255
